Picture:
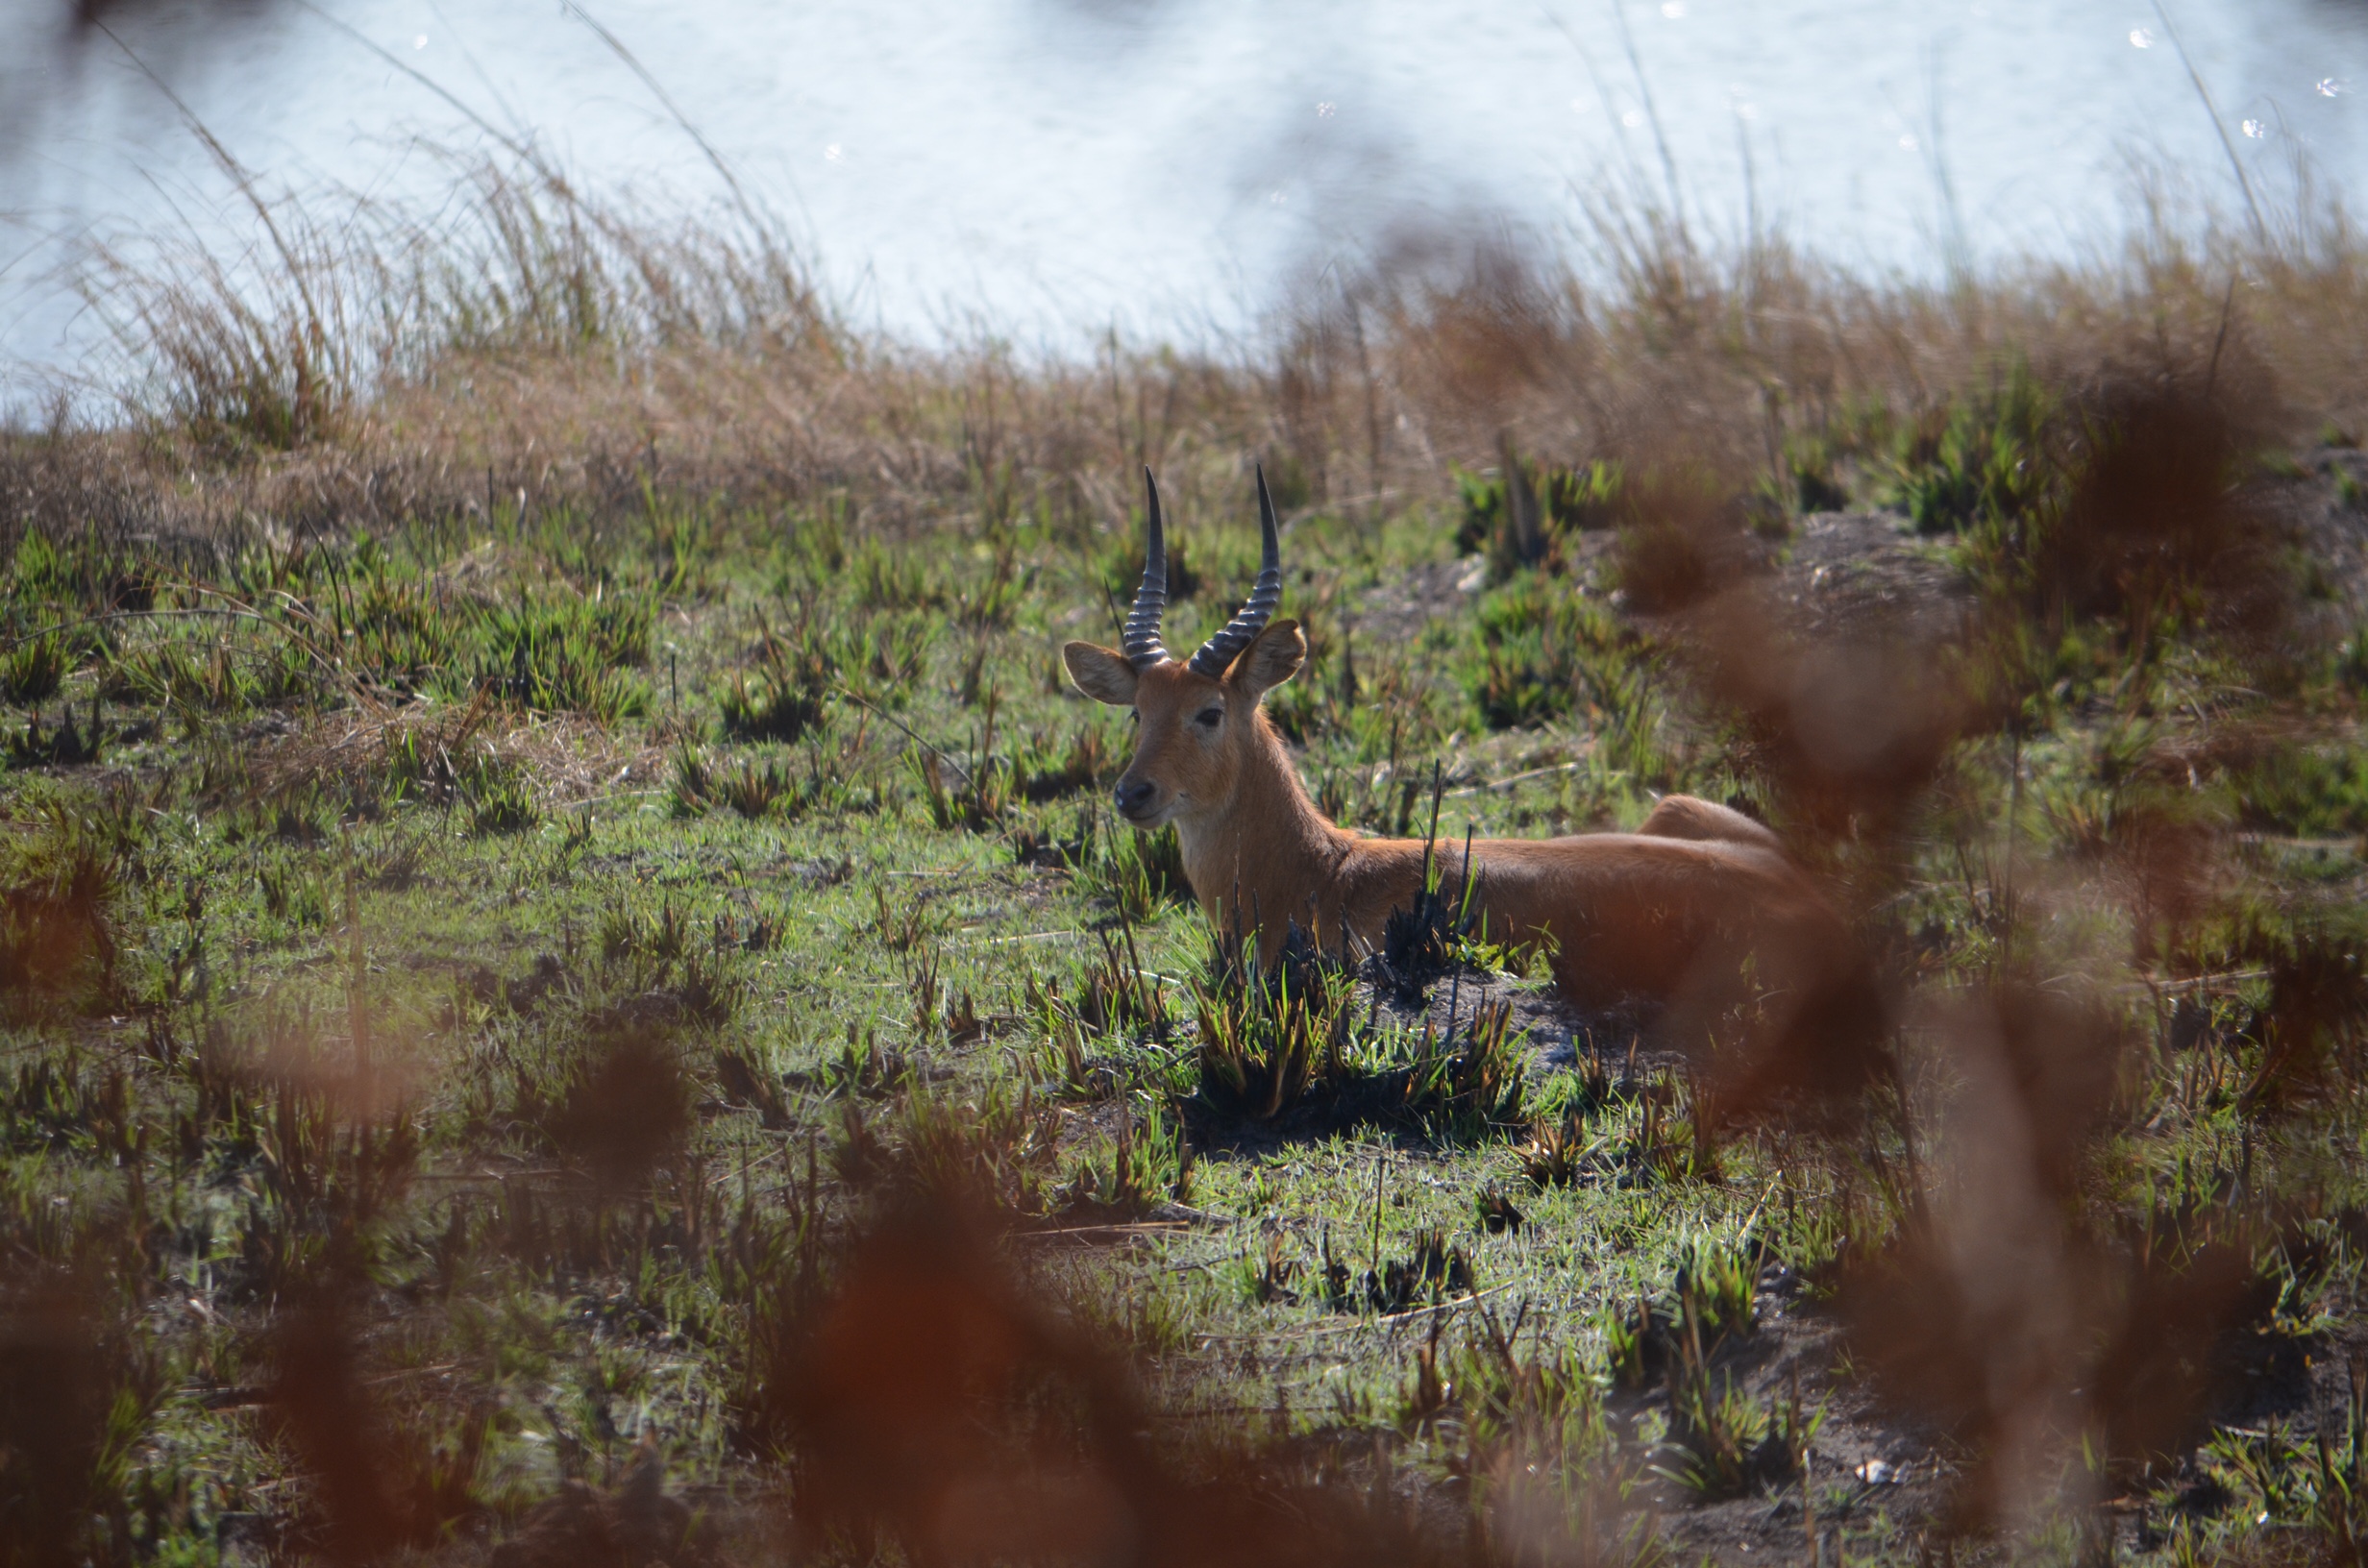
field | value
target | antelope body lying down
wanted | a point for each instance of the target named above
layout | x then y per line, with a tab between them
1666	912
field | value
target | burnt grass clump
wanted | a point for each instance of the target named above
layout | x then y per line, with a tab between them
567	994
1299	1050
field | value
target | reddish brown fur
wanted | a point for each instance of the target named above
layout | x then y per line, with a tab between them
1662	912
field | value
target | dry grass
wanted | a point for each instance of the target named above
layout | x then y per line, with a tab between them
534	347
564	758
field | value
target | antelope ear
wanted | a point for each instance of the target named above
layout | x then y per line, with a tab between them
1268	662
1102	673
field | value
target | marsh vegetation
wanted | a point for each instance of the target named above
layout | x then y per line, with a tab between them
569	992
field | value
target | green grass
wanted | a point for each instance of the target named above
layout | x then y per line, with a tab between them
498	1000
1976	460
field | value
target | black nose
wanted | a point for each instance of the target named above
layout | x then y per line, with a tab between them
1133	798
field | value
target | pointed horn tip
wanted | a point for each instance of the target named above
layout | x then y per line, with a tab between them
1216	655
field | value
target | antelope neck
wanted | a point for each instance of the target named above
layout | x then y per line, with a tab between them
1268	843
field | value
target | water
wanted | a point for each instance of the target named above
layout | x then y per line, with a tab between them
1056	167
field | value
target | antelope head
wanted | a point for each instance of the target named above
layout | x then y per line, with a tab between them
1197	719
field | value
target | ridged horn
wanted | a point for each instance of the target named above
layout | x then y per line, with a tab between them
1140	640
1217	653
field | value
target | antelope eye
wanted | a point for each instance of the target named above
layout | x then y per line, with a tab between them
1209	718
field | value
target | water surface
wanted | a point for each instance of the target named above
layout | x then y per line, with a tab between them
1059	166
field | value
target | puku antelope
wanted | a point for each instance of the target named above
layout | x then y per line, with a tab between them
1666	914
